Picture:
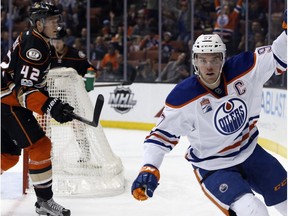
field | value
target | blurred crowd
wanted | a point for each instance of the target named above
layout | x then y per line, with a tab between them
154	55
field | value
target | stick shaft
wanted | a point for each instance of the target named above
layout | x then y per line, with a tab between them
96	115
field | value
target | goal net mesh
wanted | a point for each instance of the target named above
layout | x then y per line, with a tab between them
83	161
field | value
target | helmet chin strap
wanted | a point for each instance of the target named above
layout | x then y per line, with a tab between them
211	85
44	35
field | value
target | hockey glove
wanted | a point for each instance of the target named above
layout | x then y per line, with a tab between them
56	108
146	182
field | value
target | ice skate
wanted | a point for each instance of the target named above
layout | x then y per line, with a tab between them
51	208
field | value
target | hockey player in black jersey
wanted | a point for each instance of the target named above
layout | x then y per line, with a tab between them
24	91
63	55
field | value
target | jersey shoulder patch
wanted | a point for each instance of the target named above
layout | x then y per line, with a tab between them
185	92
81	54
75	54
33	54
34	49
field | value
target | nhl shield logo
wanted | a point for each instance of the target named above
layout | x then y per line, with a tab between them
122	100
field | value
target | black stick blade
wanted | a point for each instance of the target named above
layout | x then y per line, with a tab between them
96	115
98	109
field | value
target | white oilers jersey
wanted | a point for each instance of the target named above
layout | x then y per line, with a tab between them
221	130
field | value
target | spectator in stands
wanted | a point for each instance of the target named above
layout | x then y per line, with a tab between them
184	21
257	31
70	38
135	43
174	71
79	16
84	38
118	40
20	12
259	40
131	70
99	49
204	14
145	72
132	15
107	73
105	31
68	20
152	9
78	44
167	48
256	28
140	29
110	58
227	20
183	16
257	13
150	41
188	60
68	5
66	56
114	23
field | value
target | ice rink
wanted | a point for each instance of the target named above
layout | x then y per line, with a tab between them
178	193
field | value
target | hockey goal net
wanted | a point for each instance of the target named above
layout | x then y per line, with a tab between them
83	161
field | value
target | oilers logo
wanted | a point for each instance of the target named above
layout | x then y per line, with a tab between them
230	116
122	100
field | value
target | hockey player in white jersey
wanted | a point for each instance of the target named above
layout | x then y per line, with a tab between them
217	109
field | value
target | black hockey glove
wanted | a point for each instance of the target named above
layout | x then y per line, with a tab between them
56	108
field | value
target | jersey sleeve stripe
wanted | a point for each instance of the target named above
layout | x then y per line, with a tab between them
165	133
281	63
28	101
162	138
158	143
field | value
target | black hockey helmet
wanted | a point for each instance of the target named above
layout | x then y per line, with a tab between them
42	10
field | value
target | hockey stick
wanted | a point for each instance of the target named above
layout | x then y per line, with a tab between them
96	115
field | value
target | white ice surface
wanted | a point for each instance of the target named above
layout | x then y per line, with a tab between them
178	193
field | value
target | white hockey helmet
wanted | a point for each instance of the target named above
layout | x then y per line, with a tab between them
208	43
